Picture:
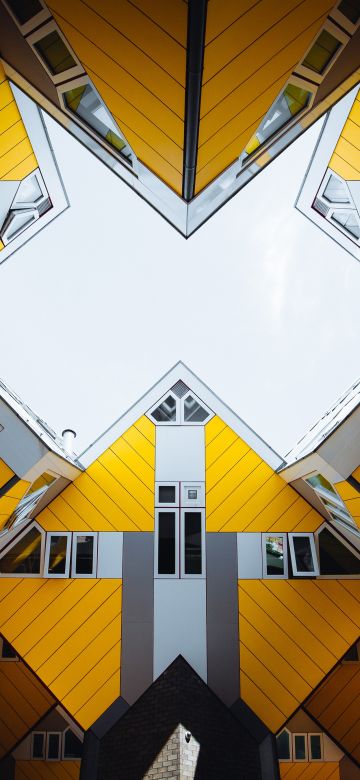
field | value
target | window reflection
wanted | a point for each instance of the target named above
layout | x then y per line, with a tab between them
275	555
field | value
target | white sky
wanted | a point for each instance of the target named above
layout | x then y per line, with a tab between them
259	303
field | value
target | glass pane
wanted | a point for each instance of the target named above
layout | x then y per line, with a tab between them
85	102
55	54
166	543
23	557
29	191
24	9
315	746
290	103
336	192
193	412
318	481
72	745
38	745
300	751
41	482
166	411
53	749
322	52
335	558
275	555
57	554
193	564
349	221
84	554
283	745
352	654
167	494
303	553
7	650
350	9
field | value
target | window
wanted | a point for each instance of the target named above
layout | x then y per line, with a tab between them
86	104
179	543
166	411
193	494
193	543
283	744
38	741
299	747
330	498
84	555
303	555
194	411
30	500
336	191
53	746
274	555
167	493
167	543
349	221
350	9
183	410
54	53
24	10
57	555
23	556
292	101
7	652
336	557
322	52
352	655
315	747
72	745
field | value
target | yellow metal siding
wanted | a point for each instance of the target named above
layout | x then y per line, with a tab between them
23	701
336	705
351	498
17	158
319	770
135	54
291	635
5	473
244	494
10	500
346	157
116	493
251	50
69	632
47	770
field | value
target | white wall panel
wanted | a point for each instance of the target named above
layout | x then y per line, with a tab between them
180	624
110	554
180	453
249	556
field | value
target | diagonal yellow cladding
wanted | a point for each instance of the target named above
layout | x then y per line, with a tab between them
17	158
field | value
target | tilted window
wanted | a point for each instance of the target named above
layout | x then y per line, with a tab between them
336	556
57	555
330	498
322	52
288	105
303	555
23	556
85	102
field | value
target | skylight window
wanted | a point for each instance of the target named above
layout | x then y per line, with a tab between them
331	500
288	105
349	221
54	53
336	191
193	411
322	52
23	557
85	102
29	502
166	411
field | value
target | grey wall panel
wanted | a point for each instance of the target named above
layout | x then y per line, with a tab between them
180	623
249	556
110	554
180	453
342	448
222	616
19	447
137	614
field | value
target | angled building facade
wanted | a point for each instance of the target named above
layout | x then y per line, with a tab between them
184	583
186	102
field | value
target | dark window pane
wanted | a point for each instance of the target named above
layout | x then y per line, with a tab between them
303	553
166	411
300	751
335	558
72	745
57	554
193	543
315	746
283	745
53	749
322	52
193	412
7	650
84	554
350	9
55	54
38	742
192	495
166	544
23	557
275	555
24	9
352	654
167	494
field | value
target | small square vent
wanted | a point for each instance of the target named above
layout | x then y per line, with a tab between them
179	388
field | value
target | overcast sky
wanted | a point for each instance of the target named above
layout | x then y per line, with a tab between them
259	303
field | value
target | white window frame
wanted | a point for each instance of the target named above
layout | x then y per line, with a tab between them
177	420
340	36
39	18
300	760
193	502
48	735
63	756
38	35
343	541
8	234
176	574
344	21
267	576
47	553
202	575
296	573
201	403
16	539
2	658
315	734
20	205
162	504
36	758
287	760
337	501
73	557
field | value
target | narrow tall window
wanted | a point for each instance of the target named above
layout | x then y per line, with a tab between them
53	746
300	747
73	747
38	739
57	555
303	555
315	747
167	530
283	745
274	555
84	555
192	543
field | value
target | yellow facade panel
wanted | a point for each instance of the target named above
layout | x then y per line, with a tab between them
10	500
336	706
293	621
125	476
23	701
47	770
342	168
345	160
6	473
17	159
132	460
351	499
319	770
221	15
172	20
